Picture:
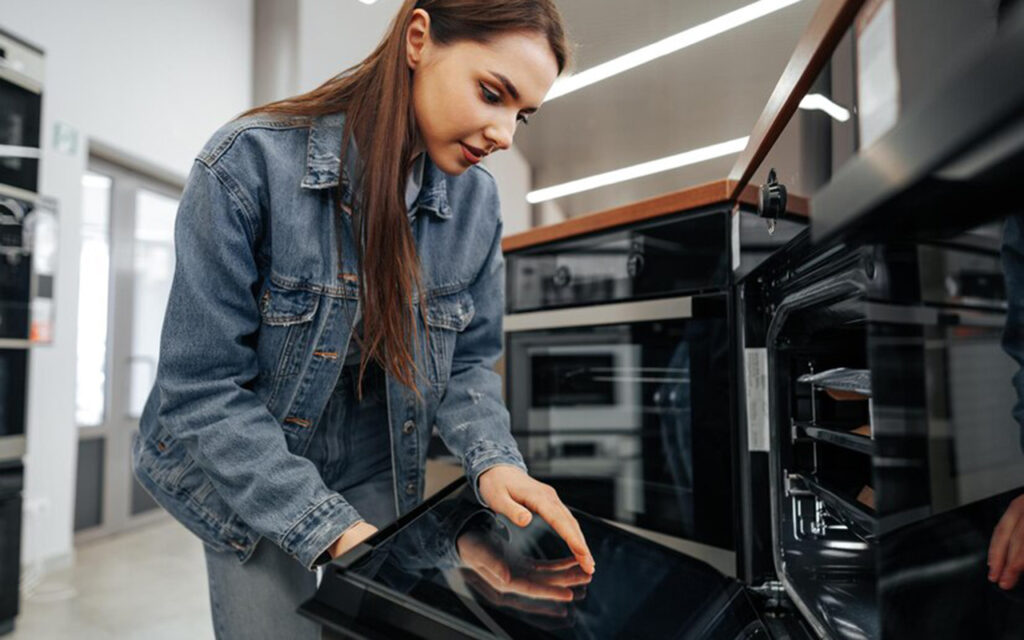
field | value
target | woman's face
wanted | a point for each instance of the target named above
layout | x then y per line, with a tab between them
469	97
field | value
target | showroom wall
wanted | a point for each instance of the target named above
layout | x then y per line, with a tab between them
151	81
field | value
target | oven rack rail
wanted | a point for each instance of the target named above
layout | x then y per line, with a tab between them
849	441
862	523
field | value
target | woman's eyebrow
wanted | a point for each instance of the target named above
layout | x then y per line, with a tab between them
511	88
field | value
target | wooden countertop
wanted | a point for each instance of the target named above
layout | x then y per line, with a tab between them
697	197
813	52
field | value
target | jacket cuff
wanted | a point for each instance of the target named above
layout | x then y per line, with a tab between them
483	457
308	539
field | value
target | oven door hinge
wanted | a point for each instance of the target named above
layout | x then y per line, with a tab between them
775	597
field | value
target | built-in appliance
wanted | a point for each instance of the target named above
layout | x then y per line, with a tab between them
10	541
21	95
13	376
620	398
27	223
17	211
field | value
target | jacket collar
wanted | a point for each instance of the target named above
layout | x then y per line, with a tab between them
323	167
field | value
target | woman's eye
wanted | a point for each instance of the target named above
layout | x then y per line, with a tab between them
523	118
489	96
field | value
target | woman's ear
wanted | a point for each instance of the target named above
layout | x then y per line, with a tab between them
417	38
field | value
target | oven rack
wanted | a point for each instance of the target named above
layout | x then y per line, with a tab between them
849	441
859	519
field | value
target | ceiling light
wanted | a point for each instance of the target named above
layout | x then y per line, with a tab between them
818	102
367	1
671	44
638	170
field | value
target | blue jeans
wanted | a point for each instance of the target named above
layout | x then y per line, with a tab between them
351	450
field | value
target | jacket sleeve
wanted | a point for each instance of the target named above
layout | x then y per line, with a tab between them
207	364
471	417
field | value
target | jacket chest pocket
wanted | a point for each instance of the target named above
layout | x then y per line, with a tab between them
285	328
447	317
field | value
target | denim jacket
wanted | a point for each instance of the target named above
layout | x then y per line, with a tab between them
260	316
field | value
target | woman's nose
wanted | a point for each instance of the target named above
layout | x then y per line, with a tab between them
500	136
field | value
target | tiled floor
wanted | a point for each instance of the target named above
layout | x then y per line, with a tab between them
148	584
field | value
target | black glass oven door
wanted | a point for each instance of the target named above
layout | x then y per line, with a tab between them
631	421
427	577
15	268
20	110
13	372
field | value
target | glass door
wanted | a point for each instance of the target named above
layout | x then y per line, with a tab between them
126	267
629	420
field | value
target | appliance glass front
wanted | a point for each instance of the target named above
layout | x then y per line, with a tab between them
15	266
13	372
20	111
21	69
423	578
631	421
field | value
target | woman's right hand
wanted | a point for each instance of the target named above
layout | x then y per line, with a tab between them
352	537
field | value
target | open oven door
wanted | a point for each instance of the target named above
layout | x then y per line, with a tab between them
413	580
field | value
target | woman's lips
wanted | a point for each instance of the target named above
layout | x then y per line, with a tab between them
472	154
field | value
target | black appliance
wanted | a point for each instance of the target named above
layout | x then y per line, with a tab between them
21	94
408	583
616	383
21	89
888	450
17	285
10	541
13	376
617	370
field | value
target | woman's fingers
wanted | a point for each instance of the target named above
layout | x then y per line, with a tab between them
500	598
1005	532
506	506
545	502
478	554
558	564
574	576
1014	563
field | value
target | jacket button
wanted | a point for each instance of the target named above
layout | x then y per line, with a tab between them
408	427
410	488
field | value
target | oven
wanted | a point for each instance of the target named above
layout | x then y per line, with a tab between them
18	284
10	541
884	437
21	94
617	374
18	212
13	376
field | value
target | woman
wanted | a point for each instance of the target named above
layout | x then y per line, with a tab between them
329	309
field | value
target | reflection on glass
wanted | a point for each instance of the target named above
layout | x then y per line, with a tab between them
153	270
93	290
491	576
630	421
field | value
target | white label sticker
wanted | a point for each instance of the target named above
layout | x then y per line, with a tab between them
735	240
878	84
756	365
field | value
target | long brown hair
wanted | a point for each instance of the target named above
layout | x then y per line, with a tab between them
376	96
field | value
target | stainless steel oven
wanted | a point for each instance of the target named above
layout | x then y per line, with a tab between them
617	374
19	210
13	374
21	94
